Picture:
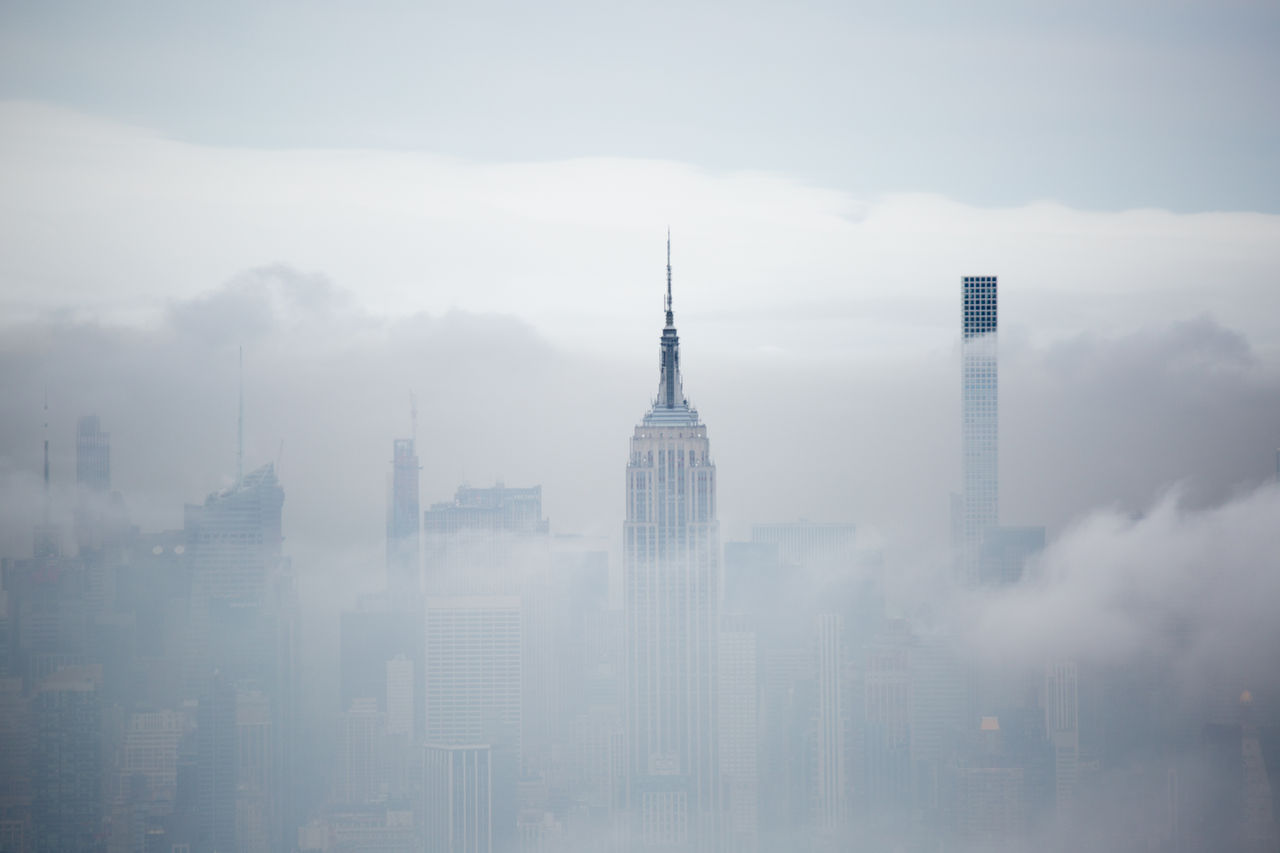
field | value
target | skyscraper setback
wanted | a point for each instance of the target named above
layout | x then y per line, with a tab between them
671	544
980	422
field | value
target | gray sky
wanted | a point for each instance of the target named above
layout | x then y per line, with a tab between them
471	204
324	183
1095	104
470	200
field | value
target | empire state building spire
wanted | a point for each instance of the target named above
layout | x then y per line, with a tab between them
671	321
670	391
671	574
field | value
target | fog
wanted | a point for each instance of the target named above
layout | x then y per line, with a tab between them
1146	454
683	429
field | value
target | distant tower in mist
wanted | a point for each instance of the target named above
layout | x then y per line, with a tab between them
404	521
234	538
980	422
671	544
93	456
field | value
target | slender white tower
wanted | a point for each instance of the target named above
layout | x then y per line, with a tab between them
980	419
671	541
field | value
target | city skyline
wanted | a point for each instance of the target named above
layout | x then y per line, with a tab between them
473	542
342	507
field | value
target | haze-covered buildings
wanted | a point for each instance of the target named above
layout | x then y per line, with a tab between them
671	590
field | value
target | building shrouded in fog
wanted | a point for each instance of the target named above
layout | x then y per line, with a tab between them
980	421
671	543
403	520
93	455
235	538
459	798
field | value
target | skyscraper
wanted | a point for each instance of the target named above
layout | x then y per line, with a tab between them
830	781
93	455
403	519
495	542
67	760
738	731
1062	725
458	801
234	538
473	670
474	675
980	424
671	543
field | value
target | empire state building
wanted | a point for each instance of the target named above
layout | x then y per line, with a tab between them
671	541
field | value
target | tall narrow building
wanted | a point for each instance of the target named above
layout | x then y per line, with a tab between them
93	455
671	542
404	521
980	423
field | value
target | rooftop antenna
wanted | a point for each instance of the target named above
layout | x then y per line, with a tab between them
240	425
670	316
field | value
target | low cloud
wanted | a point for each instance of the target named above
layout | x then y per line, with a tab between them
1190	592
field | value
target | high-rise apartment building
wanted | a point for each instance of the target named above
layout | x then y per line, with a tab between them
980	419
671	545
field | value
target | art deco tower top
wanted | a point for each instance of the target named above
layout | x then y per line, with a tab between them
670	407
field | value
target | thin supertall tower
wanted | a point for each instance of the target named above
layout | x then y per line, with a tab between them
671	543
980	420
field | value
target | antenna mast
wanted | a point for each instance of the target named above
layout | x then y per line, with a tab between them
670	315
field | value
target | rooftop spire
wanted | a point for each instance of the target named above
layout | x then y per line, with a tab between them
670	316
670	395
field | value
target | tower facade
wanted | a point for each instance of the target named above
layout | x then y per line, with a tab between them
93	455
403	519
980	422
234	539
458	801
671	544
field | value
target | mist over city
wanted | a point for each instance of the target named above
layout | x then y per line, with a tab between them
683	428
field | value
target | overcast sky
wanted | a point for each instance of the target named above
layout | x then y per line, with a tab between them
1095	104
471	201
